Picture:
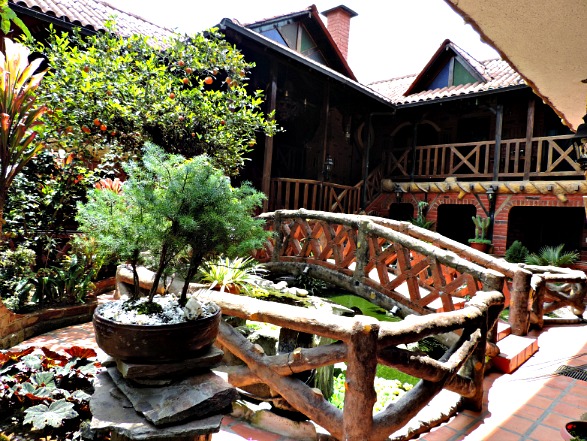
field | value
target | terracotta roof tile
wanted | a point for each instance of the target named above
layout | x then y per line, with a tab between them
498	73
92	14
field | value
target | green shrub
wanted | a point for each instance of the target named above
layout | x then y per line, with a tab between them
387	391
17	276
516	253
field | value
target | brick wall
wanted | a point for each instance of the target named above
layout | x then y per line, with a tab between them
504	203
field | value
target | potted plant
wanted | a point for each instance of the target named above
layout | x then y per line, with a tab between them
480	242
170	214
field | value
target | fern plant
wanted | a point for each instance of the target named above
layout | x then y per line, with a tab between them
553	256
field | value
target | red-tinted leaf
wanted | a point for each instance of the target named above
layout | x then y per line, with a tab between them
14	355
54	355
36	399
76	351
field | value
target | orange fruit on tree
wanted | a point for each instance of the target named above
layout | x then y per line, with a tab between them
185	81
208	80
86	129
188	70
181	63
171	95
103	127
97	122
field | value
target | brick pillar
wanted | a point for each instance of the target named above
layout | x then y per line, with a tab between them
339	24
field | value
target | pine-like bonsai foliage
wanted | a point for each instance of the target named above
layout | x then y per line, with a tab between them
179	212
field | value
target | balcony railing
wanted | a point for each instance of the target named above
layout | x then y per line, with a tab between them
516	160
293	194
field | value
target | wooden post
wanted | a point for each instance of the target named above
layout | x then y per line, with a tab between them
361	253
529	134
519	308
268	156
498	128
360	396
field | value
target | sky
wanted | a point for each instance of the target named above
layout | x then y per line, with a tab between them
388	38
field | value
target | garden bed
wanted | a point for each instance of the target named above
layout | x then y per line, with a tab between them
16	328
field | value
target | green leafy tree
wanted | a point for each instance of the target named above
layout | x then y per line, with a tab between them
7	16
19	115
112	94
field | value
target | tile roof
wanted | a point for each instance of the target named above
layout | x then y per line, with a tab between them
498	74
92	14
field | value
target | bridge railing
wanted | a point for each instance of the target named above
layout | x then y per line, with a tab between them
531	291
377	262
363	342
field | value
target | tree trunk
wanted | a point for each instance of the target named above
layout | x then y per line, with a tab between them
195	263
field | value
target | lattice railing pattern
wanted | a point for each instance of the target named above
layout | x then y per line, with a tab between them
377	259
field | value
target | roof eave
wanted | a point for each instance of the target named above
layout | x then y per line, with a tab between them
463	96
248	33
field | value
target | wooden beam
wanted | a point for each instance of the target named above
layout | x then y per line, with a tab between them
498	130
529	134
268	156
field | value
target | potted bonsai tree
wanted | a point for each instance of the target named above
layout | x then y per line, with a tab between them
480	241
172	213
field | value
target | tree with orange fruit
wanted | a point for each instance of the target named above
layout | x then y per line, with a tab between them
108	93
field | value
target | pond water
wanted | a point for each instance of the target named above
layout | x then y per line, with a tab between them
360	305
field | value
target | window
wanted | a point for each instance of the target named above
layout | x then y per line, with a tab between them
454	73
296	37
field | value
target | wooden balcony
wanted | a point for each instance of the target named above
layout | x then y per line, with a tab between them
542	158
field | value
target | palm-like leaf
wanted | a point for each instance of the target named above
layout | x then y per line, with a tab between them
554	256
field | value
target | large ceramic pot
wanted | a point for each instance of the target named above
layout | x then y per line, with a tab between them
156	343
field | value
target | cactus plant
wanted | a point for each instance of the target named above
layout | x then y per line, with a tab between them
481	226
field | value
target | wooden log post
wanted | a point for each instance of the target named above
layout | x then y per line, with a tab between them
361	253
475	370
360	395
519	304
536	300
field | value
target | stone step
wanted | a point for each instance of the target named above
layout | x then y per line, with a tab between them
503	330
514	351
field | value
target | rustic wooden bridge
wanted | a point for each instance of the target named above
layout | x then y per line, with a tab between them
393	263
442	287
